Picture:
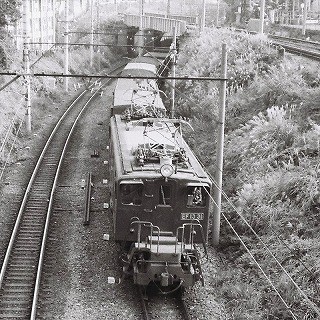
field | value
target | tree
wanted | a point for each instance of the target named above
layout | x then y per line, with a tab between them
9	11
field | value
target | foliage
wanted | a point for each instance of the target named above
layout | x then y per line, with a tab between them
9	11
271	170
8	52
248	57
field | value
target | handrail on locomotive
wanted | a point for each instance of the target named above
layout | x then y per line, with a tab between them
145	224
183	241
192	233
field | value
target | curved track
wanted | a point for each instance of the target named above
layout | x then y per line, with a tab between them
21	270
305	48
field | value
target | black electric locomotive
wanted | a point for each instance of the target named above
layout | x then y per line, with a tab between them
159	192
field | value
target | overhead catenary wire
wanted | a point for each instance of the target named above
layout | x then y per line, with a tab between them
216	204
109	76
199	78
193	102
283	242
260	268
31	66
180	92
248	250
309	302
254	259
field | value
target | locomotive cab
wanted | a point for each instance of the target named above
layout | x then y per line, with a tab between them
166	203
167	219
160	199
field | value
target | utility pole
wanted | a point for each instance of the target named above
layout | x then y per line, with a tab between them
203	15
262	9
173	57
217	16
168	8
304	19
26	60
220	143
141	34
92	30
54	38
98	27
66	62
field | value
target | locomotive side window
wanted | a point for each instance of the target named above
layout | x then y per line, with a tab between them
131	194
165	195
197	196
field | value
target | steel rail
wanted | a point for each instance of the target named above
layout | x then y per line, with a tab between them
46	229
178	297
35	226
184	307
310	49
24	200
145	314
24	256
306	48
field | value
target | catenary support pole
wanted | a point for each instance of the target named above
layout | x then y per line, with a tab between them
98	35
173	57
26	59
141	33
220	143
92	31
66	49
218	12
168	8
203	15
304	17
261	22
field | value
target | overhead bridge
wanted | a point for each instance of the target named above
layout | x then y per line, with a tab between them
163	24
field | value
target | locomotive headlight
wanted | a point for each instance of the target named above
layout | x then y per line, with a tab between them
167	170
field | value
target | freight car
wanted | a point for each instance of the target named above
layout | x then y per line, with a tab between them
159	193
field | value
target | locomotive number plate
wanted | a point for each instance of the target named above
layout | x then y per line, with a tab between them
192	216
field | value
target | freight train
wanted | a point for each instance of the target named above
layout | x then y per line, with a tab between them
159	192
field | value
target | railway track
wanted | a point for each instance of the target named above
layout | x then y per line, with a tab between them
155	306
22	266
310	49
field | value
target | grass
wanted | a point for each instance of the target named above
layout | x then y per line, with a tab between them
271	170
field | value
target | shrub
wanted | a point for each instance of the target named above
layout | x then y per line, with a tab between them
271	168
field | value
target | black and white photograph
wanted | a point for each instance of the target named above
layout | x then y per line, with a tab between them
160	159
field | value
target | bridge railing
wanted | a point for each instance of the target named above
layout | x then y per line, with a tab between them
193	20
157	23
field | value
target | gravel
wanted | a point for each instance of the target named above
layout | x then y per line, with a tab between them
82	274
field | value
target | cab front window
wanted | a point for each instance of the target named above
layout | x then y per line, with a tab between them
197	196
131	193
165	195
